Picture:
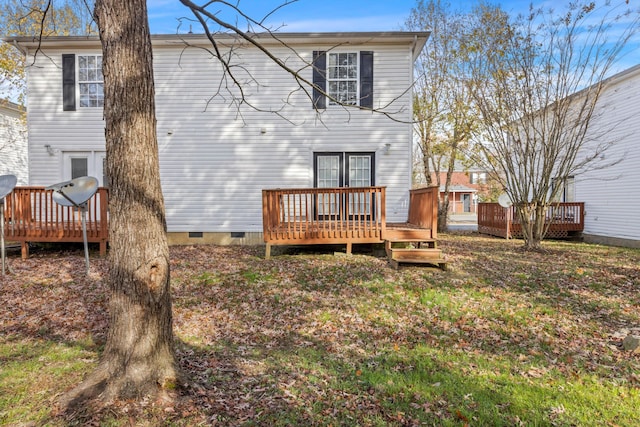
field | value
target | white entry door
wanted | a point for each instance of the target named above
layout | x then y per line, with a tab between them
85	163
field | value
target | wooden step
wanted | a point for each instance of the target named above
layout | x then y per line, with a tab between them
416	256
411	243
401	232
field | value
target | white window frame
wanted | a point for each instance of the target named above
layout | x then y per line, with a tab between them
90	81
568	192
478	178
346	174
333	78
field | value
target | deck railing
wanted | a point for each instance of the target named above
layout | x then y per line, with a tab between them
564	219
323	215
31	215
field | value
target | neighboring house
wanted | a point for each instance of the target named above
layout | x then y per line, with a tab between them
217	155
469	185
13	141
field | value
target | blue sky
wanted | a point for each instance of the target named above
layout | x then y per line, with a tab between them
313	15
303	15
325	15
346	15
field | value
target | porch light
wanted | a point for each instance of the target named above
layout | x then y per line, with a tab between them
387	148
49	149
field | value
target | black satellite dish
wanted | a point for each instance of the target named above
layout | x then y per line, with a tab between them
76	193
7	184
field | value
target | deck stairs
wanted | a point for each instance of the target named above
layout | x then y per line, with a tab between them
404	244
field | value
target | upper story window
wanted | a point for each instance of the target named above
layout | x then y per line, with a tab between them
342	76
90	81
478	178
82	82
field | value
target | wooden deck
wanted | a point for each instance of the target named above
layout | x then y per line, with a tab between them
566	220
351	215
307	216
31	215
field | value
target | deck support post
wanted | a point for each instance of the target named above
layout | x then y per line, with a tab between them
267	251
24	250
349	248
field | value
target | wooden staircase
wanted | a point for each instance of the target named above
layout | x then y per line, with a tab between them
406	244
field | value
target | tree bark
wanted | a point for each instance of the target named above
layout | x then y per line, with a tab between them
138	359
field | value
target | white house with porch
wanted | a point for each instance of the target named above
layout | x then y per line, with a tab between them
218	154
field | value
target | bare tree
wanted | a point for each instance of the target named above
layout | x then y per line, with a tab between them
537	82
444	119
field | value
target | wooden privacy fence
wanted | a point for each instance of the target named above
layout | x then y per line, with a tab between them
31	215
323	216
564	219
423	209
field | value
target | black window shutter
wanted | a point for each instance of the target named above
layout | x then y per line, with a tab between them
68	82
319	79
366	79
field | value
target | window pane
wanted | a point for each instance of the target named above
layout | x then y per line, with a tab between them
328	172
79	167
342	76
90	81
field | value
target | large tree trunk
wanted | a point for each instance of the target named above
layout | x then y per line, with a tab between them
138	359
534	225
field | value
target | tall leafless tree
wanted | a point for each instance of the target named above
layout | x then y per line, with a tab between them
537	82
443	117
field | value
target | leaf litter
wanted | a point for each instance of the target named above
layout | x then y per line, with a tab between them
299	339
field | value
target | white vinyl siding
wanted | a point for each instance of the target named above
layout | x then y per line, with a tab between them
215	158
610	194
13	144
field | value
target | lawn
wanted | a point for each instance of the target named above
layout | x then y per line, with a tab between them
504	337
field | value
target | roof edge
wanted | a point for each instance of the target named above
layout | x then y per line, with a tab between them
299	37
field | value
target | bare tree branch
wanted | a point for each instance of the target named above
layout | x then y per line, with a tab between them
203	15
